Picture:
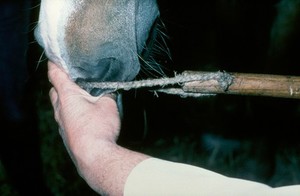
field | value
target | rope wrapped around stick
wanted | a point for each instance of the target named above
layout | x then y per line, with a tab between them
198	84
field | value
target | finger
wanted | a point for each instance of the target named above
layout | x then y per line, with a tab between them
57	76
53	97
61	80
53	69
55	103
111	95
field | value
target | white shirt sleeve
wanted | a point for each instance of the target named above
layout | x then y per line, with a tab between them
156	177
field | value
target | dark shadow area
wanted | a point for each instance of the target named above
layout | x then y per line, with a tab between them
242	136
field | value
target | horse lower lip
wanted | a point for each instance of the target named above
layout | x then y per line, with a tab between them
83	83
98	92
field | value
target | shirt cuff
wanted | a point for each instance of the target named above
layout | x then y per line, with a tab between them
158	177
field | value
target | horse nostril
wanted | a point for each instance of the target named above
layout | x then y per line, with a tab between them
106	69
109	69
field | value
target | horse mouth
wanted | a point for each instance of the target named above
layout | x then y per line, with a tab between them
105	70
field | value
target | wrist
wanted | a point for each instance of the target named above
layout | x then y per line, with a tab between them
105	166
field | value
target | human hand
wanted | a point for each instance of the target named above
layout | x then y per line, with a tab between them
89	127
81	117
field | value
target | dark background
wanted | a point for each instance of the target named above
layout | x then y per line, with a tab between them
255	138
250	137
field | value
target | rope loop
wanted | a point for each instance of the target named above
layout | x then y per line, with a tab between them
224	79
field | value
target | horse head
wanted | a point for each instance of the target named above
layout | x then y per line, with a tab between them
96	40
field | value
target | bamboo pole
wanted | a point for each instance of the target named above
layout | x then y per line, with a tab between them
249	84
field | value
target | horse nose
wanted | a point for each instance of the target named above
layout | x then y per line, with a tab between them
106	69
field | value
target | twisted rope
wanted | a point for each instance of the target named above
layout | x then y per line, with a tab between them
224	80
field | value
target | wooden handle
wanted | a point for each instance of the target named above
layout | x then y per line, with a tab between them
249	84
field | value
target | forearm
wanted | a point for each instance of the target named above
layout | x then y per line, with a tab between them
89	127
104	165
